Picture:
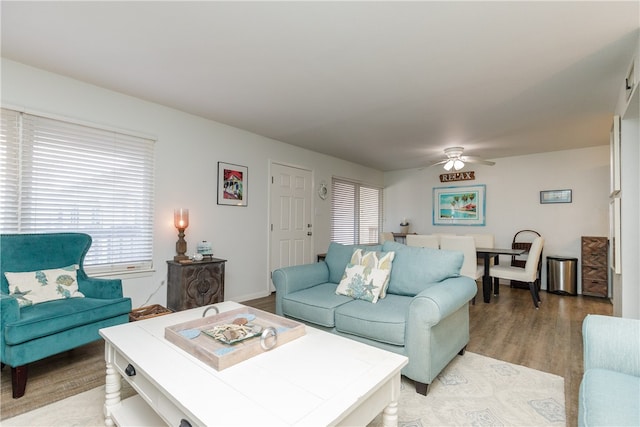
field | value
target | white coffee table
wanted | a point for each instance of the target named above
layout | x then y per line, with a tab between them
316	380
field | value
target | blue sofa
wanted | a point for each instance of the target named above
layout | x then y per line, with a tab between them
610	388
33	332
424	316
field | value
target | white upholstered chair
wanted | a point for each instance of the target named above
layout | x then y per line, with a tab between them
528	274
466	245
483	240
386	236
423	240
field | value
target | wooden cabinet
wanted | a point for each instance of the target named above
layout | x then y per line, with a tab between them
195	284
595	269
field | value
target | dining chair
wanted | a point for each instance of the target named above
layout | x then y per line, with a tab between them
483	240
466	245
528	274
423	240
386	236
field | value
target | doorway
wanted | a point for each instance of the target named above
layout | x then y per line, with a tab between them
291	229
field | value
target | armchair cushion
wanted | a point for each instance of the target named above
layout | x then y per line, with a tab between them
61	315
34	287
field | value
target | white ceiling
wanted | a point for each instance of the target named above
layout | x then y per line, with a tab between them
384	84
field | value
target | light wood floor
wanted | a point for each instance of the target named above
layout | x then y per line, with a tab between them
511	329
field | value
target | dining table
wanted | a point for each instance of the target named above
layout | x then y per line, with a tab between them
486	254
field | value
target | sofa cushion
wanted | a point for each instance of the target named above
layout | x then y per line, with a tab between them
366	275
384	322
609	398
339	255
35	287
51	317
414	267
315	304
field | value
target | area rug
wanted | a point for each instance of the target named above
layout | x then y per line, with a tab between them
473	390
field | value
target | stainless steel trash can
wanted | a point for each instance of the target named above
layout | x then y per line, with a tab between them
562	275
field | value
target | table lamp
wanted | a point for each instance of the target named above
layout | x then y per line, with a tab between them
181	222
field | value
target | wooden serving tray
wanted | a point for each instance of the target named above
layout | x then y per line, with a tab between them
220	355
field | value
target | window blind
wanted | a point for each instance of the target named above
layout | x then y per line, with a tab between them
356	212
69	177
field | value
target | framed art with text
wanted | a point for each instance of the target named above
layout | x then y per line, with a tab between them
459	205
232	184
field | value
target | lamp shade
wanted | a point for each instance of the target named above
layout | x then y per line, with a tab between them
181	218
458	164
448	165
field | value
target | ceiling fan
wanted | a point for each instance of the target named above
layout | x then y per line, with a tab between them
456	161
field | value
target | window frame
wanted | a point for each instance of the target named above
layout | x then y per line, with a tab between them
138	151
355	213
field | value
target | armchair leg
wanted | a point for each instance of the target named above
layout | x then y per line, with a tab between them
534	293
421	388
461	352
18	380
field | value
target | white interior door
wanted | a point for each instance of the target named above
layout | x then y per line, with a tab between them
291	226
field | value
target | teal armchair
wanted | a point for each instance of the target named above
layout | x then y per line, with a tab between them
33	332
610	388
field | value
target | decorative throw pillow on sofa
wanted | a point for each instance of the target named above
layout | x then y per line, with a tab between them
34	287
366	275
339	255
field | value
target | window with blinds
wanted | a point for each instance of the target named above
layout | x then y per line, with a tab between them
356	212
59	176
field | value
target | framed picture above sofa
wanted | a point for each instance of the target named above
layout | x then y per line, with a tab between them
462	205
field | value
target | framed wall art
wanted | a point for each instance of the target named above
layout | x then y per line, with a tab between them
555	196
459	205
232	184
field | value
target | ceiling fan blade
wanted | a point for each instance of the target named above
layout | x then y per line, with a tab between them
442	162
477	160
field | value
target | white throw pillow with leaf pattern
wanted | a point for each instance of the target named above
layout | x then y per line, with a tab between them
366	275
34	287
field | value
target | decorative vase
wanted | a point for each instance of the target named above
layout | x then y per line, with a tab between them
404	229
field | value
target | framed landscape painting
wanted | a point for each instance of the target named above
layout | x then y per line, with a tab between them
232	184
459	205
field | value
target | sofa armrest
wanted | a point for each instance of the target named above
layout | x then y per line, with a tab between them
9	310
611	343
440	300
292	279
93	287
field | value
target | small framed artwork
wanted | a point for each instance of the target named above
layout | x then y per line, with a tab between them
459	205
232	184
555	196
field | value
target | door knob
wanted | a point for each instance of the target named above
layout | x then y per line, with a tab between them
309	233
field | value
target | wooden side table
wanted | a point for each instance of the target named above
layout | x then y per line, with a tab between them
195	284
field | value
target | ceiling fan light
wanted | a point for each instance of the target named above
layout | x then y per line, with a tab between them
448	165
457	164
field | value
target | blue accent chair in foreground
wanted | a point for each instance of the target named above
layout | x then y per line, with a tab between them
34	332
610	387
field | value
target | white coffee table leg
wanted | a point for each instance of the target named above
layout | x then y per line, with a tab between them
112	386
390	415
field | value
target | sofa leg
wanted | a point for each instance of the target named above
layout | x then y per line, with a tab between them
18	380
421	388
461	352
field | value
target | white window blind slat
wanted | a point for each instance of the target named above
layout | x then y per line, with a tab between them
356	212
72	177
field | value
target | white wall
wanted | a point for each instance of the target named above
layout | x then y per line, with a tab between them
513	188
187	151
626	286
